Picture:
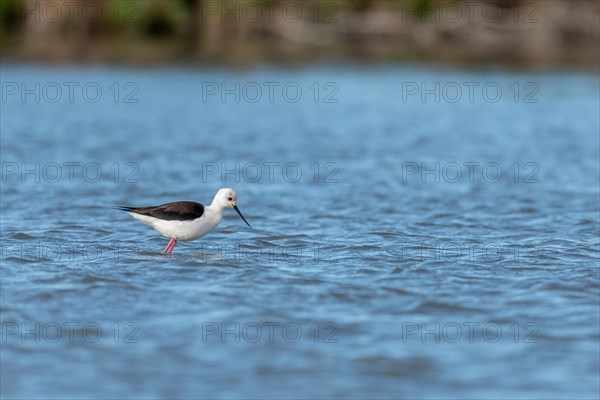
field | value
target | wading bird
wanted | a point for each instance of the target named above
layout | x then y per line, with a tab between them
186	220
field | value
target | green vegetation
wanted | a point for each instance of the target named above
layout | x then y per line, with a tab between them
245	32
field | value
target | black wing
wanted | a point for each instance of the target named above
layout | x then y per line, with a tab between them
177	211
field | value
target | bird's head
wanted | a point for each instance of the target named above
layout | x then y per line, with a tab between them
228	198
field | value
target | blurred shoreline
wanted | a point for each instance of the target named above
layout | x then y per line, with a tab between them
523	34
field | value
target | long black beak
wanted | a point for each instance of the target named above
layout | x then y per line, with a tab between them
239	212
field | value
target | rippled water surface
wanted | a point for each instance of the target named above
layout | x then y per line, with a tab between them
403	247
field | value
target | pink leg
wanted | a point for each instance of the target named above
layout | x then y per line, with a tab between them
166	250
173	245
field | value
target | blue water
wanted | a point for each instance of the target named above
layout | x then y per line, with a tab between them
409	241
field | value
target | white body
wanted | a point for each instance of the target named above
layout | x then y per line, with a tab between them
184	230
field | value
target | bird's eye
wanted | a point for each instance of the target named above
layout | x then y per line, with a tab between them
229	198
